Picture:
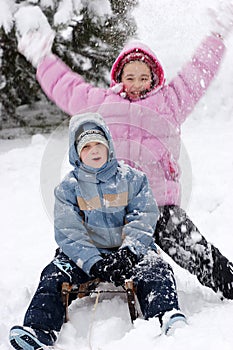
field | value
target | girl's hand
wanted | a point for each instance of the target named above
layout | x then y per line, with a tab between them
35	46
222	19
34	34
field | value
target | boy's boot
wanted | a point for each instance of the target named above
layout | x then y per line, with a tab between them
172	320
31	339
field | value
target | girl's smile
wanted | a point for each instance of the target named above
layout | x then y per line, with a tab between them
136	78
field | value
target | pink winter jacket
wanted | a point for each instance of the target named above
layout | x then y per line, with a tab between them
146	132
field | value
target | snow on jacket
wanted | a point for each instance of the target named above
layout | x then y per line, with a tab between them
146	132
99	209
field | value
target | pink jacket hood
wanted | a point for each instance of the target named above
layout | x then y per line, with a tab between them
135	50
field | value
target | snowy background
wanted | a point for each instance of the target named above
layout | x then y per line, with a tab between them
173	28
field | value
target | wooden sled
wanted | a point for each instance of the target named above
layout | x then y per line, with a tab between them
71	292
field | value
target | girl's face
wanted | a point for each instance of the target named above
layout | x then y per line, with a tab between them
94	154
136	78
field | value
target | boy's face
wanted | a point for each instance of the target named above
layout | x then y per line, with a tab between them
94	154
136	78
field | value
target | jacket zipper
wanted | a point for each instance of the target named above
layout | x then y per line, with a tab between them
104	214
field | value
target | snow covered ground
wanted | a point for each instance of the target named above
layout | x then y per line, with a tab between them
26	238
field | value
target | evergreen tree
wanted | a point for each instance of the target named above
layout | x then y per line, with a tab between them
93	43
18	86
88	43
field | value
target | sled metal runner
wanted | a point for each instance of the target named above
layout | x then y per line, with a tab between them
71	292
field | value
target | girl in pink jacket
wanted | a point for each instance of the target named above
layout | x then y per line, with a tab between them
144	116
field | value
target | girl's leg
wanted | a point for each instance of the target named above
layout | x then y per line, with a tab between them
155	286
181	240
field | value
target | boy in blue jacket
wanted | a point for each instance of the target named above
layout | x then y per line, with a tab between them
104	219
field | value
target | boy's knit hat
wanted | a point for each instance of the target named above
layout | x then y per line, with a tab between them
90	135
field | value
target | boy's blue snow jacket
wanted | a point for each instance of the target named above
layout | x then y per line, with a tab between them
100	209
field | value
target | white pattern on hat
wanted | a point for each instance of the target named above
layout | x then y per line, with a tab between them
91	135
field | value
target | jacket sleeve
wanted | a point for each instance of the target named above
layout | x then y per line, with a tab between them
70	233
185	90
67	89
141	217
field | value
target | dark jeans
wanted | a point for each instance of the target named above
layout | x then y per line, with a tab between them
153	278
178	237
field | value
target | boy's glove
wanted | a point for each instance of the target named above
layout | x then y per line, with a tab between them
34	34
222	19
115	267
105	269
128	259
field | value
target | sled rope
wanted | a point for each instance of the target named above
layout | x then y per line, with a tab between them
93	318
